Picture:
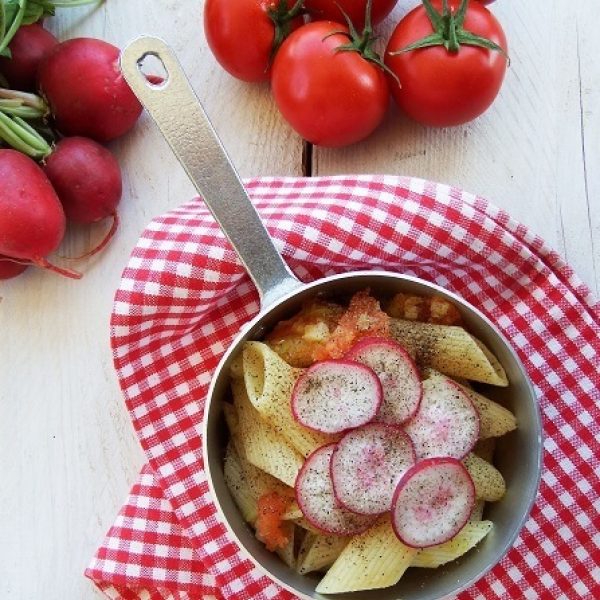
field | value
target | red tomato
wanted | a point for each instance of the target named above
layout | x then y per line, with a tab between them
241	34
330	98
440	87
355	9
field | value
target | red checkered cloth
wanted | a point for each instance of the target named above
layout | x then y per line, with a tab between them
184	296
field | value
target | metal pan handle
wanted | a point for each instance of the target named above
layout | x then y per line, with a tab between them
180	117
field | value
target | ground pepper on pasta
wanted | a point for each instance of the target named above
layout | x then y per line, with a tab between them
275	445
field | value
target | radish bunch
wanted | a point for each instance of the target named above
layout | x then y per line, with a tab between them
48	178
401	448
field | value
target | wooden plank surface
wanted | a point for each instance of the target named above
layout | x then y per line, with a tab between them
67	447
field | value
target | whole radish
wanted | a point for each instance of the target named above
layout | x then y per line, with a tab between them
9	268
86	92
84	174
32	220
87	179
28	47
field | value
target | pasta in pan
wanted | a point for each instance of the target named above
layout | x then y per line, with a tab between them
271	466
262	445
449	349
269	381
374	559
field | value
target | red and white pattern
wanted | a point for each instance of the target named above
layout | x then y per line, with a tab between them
184	296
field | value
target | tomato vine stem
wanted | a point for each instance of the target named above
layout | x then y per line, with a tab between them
449	31
282	17
362	42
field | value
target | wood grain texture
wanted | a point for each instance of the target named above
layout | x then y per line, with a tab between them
68	450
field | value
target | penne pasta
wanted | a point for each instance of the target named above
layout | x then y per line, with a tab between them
298	339
247	484
449	349
494	419
231	417
293	513
374	559
489	483
287	552
269	383
468	537
319	551
485	449
236	369
477	513
237	483
302	522
262	445
428	309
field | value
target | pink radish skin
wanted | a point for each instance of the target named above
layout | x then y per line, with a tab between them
367	464
447	423
336	395
32	220
432	503
28	47
9	268
315	497
87	94
399	376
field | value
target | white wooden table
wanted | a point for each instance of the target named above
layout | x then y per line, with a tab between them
67	448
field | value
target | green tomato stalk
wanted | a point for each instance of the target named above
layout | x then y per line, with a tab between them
363	42
449	31
282	18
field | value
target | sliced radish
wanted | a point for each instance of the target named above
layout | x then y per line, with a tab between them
446	423
335	395
314	493
432	502
366	466
402	389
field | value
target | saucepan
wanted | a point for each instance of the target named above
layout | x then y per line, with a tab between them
179	115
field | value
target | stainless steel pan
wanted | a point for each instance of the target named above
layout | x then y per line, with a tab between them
184	124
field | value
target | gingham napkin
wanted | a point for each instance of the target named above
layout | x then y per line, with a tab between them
184	296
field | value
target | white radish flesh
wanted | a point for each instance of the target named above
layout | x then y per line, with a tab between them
446	423
336	395
432	502
400	380
314	493
367	465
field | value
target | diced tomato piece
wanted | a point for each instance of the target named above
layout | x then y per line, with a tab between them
271	508
364	318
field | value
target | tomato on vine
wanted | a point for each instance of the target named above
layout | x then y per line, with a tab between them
450	57
329	84
335	10
244	35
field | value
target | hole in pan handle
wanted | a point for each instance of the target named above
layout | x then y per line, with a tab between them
179	115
